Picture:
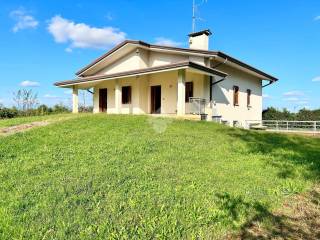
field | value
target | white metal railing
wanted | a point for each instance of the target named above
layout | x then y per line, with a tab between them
197	105
281	125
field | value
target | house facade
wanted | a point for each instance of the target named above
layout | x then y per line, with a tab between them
140	78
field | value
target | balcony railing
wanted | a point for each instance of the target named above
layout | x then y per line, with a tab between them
197	105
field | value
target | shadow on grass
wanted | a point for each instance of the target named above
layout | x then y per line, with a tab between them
299	217
287	151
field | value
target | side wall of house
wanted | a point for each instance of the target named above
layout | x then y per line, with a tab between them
223	97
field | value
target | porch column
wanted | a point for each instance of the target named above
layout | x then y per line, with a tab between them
181	105
96	100
117	96
75	101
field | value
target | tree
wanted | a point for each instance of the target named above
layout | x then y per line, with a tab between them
25	99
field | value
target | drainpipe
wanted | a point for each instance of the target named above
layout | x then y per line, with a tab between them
211	78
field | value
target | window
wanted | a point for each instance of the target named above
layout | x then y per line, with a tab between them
248	97
126	95
189	91
235	95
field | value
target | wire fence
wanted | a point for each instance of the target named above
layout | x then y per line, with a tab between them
275	125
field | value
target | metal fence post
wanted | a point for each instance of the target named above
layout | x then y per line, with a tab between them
287	126
315	126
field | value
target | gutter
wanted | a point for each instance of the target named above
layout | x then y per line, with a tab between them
271	82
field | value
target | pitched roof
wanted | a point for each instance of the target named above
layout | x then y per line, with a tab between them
167	67
185	50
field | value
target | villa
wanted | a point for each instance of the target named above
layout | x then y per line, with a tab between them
140	78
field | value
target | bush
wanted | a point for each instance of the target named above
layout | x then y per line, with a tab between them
8	112
39	111
85	109
60	108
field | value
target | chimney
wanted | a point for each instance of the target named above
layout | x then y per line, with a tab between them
199	40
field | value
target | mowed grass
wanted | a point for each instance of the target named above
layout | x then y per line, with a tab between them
136	177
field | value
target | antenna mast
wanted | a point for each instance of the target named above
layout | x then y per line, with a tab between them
194	13
194	16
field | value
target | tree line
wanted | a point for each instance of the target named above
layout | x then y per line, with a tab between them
26	103
272	113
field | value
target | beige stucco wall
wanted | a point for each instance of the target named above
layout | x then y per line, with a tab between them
136	59
138	99
222	103
199	42
160	58
223	97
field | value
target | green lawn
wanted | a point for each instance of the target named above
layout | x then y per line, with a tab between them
22	120
115	177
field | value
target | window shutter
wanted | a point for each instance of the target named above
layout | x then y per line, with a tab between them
236	96
248	97
126	95
189	91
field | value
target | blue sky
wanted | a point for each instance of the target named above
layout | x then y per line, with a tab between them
47	41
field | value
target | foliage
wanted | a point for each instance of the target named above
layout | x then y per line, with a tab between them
86	109
115	177
8	112
39	111
303	115
25	99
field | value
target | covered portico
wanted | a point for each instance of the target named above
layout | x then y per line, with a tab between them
160	89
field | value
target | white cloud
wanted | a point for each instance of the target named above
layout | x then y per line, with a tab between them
266	96
167	42
293	94
68	50
316	79
51	96
81	35
29	84
291	99
317	18
23	20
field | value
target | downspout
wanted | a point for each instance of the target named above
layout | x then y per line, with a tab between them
88	90
211	78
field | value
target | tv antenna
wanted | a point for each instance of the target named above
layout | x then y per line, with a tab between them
194	12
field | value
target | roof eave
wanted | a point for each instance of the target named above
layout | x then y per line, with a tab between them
168	67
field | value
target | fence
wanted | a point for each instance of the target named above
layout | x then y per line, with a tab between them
301	126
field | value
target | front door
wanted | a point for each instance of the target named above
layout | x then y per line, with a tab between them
155	99
103	96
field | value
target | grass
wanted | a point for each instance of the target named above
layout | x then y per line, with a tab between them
115	177
23	120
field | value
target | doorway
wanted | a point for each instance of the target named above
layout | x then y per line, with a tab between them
103	99
156	99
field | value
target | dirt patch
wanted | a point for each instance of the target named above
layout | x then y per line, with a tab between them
22	127
299	218
27	126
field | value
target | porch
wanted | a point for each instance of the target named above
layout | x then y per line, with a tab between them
170	90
